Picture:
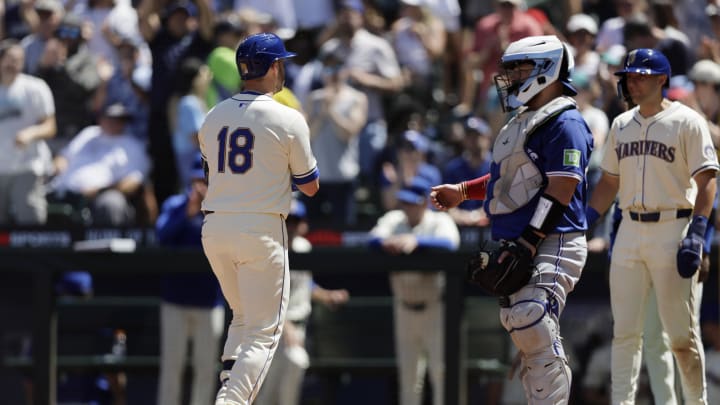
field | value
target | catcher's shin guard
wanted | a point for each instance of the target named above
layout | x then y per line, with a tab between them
531	321
546	380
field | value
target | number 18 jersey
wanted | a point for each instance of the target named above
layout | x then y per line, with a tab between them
253	145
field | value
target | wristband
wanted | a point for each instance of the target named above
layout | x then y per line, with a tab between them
591	215
698	226
475	189
547	214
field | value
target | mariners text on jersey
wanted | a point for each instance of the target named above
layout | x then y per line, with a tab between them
644	147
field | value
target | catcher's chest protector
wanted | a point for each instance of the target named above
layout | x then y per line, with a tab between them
520	179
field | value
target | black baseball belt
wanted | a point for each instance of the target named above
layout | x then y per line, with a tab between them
656	216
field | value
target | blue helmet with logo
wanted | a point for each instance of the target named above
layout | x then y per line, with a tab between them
257	52
642	61
646	62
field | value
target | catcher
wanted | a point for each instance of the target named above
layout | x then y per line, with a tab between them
535	197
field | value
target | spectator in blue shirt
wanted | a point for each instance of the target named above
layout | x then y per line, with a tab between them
473	162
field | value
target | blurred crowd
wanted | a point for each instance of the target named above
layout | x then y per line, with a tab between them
101	100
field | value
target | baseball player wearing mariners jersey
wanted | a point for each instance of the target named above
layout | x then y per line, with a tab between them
418	296
661	164
535	198
254	148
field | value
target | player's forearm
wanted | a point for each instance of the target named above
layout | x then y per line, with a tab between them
707	187
561	188
604	193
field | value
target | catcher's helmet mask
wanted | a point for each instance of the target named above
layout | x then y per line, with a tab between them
551	60
257	53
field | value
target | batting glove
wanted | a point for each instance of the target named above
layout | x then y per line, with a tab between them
689	256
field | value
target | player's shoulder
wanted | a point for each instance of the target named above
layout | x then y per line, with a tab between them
570	114
680	110
624	118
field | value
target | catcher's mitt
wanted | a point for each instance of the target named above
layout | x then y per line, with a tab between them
504	278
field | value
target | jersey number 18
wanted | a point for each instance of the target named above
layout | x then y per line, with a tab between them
235	149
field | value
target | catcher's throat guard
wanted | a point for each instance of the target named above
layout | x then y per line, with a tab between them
505	278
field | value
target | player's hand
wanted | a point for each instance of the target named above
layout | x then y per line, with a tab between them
446	196
330	298
335	298
597	245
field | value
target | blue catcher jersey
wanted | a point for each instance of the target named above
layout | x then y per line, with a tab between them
559	147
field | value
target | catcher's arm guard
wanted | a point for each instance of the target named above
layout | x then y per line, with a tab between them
501	279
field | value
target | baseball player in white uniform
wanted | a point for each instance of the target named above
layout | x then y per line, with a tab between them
417	296
660	162
254	148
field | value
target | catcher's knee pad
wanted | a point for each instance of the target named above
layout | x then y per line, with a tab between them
531	322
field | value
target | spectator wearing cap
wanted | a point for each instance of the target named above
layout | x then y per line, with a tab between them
174	32
473	162
419	40
43	18
705	96
417	296
581	30
192	308
283	383
27	118
336	113
493	33
372	68
74	75
102	168
411	160
129	85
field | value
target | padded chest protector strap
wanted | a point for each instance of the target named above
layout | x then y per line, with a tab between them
520	179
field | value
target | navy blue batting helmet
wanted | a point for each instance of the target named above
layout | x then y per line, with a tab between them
257	52
647	62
